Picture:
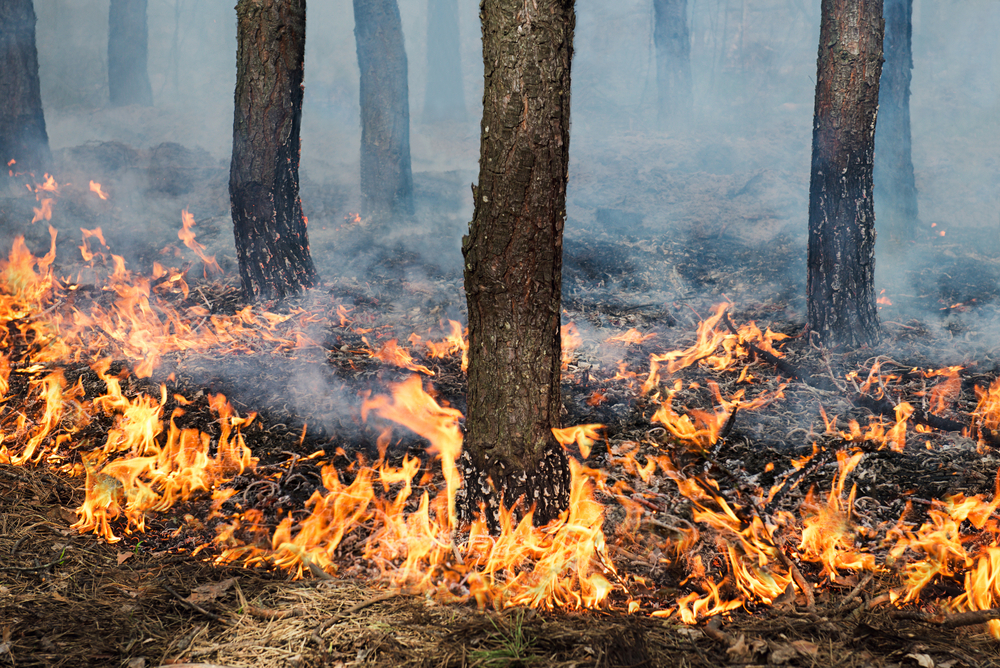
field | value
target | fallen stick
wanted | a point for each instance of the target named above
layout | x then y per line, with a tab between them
193	606
950	621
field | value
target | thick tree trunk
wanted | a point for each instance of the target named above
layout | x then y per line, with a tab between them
445	98
513	262
22	123
841	265
673	61
128	53
386	177
895	186
271	241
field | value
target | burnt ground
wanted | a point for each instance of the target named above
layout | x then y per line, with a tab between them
72	600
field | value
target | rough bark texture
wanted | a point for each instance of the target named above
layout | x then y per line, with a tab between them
895	187
513	262
673	60
445	97
22	124
841	264
271	241
386	177
128	53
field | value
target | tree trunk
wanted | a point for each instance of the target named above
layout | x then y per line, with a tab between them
513	263
271	241
445	98
386	179
841	264
895	187
128	52
22	122
673	61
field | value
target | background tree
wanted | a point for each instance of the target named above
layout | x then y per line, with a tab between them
271	241
445	96
895	186
513	262
22	123
128	53
673	60
386	176
841	263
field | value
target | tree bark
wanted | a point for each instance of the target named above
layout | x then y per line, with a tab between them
22	122
513	263
673	61
445	97
271	241
841	263
128	53
386	177
895	186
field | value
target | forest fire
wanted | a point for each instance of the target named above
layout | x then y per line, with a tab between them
395	517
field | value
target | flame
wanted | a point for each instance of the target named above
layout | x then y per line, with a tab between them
630	338
391	353
96	188
186	235
571	340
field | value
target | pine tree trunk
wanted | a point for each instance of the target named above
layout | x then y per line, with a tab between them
22	123
445	98
841	264
895	186
386	177
673	61
128	53
271	241
513	262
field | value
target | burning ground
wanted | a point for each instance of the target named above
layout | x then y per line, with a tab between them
190	479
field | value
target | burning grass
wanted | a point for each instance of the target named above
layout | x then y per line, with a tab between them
662	525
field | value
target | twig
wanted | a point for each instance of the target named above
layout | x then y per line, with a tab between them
799	580
36	568
271	614
193	606
854	592
950	621
344	614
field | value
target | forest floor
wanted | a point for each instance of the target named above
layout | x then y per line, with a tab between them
72	599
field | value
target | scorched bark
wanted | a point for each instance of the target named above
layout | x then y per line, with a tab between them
513	262
128	52
673	60
841	263
271	241
22	123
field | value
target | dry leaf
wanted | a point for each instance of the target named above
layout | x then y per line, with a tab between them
739	649
785	652
923	660
123	557
209	592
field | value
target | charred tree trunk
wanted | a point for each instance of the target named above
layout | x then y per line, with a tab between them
271	241
128	53
22	123
386	177
841	264
673	60
513	262
895	186
445	98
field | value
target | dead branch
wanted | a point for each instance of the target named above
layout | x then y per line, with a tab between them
270	614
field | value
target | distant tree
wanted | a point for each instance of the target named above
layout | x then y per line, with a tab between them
513	262
271	241
128	53
386	176
895	185
841	263
673	60
22	122
445	97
